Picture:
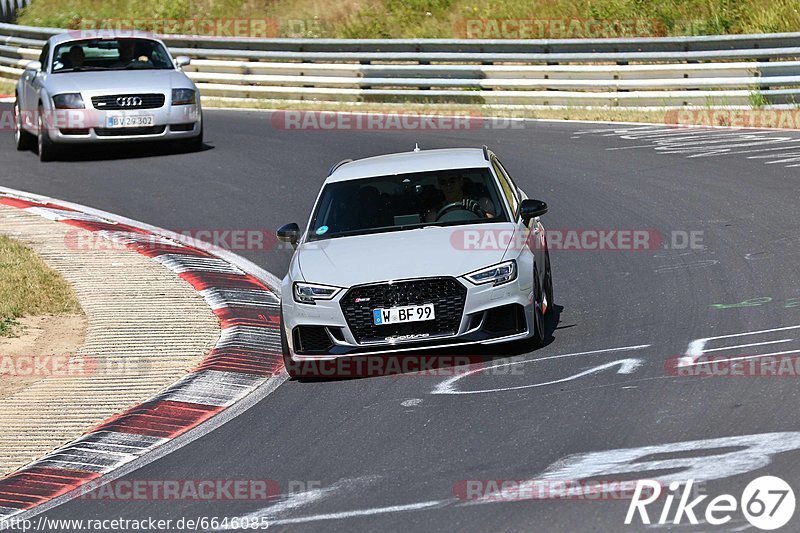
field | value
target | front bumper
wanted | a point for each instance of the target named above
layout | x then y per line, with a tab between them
490	315
90	125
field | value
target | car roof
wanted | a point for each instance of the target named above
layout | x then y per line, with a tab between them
409	162
82	35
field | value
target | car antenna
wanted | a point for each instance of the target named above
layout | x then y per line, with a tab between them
416	147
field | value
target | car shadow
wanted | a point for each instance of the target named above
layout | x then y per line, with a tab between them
441	362
116	151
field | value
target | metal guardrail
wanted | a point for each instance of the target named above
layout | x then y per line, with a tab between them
675	71
9	8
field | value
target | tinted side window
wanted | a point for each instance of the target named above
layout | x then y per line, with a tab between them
43	56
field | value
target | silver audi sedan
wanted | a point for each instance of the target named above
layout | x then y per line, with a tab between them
422	249
104	87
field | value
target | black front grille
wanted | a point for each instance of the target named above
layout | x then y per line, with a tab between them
148	101
310	339
446	294
119	132
74	131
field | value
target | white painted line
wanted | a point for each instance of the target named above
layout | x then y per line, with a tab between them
446	386
362	512
744	357
696	347
296	501
747	345
626	366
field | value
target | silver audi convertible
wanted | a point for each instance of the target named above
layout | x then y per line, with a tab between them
421	249
103	88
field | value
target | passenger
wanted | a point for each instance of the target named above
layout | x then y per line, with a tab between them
76	56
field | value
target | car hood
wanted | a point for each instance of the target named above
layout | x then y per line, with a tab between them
431	251
122	81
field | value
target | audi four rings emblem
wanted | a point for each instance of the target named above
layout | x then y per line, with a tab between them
129	101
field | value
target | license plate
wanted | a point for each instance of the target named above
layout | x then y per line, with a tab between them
130	121
401	315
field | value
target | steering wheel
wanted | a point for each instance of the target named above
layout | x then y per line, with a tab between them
465	205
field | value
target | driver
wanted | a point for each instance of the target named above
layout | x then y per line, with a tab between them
452	186
127	54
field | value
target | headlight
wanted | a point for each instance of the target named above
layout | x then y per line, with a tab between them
497	274
68	101
307	293
183	96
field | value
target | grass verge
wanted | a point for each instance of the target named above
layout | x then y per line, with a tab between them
569	113
7	86
28	287
434	18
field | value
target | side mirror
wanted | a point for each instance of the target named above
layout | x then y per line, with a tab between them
33	66
289	233
182	61
530	208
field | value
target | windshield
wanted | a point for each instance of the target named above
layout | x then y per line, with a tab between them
110	54
407	201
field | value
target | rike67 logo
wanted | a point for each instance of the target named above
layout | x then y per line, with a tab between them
767	503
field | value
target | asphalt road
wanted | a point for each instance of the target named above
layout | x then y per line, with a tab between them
386	453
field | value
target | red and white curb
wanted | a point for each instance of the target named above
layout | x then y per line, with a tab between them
243	367
6	99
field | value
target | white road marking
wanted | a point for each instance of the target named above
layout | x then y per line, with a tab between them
363	512
696	347
745	357
747	345
447	386
725	457
706	141
412	402
696	264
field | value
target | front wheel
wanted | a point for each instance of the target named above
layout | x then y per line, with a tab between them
22	139
548	286
48	151
538	314
195	144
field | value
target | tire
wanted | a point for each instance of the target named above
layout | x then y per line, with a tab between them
291	366
195	144
548	285
48	151
22	139
538	316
